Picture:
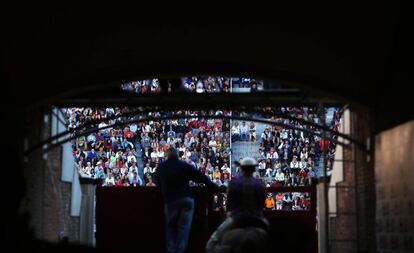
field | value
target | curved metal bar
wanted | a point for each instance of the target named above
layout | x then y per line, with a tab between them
271	122
283	116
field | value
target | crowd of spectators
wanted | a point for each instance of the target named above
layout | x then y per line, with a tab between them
128	154
294	201
113	154
242	82
289	157
286	201
206	84
142	86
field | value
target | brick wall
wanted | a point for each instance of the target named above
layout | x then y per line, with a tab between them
47	199
352	229
365	184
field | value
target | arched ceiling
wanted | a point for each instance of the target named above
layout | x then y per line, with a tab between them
353	53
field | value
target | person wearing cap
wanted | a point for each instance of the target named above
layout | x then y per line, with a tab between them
245	200
173	177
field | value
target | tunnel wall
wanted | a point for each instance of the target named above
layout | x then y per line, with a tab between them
394	172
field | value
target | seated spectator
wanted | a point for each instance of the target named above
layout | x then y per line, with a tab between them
293	180
217	205
262	167
296	204
252	132
311	173
244	131
294	164
133	176
217	181
279	201
302	173
109	181
235	132
225	173
272	155
266	139
217	173
280	177
148	169
269	172
226	179
225	167
287	200
150	182
133	167
269	202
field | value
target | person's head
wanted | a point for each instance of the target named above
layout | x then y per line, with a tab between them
247	165
172	153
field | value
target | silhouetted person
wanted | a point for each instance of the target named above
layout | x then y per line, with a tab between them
173	177
245	229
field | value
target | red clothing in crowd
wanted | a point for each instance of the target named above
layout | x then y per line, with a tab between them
302	173
279	197
324	144
128	134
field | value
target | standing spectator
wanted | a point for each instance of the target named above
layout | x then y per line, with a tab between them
173	177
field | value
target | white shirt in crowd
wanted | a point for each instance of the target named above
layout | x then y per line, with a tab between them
102	125
280	176
154	155
213	145
225	167
130	157
133	127
266	135
148	169
304	154
284	134
273	155
244	129
132	168
294	164
302	164
235	129
262	165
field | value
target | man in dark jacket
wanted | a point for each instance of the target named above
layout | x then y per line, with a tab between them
173	177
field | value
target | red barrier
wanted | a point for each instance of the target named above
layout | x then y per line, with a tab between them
132	218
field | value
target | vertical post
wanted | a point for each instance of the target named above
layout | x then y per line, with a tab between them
87	216
231	124
355	160
321	110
